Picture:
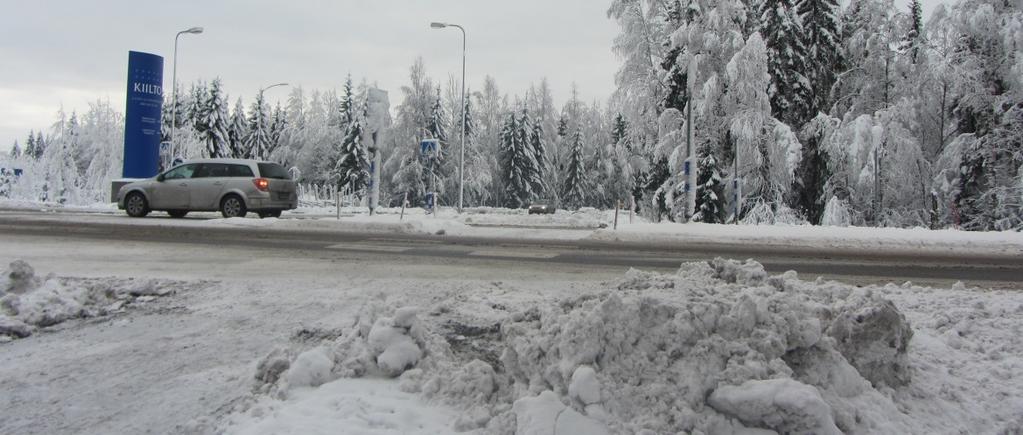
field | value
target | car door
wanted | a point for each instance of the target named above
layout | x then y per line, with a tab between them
207	184
171	191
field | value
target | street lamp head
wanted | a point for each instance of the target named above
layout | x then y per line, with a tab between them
272	86
438	25
195	30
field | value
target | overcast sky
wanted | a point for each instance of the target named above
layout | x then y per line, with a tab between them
72	52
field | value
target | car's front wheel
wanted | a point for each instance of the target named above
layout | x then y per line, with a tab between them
135	205
233	206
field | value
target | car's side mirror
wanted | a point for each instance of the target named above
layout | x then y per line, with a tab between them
159	178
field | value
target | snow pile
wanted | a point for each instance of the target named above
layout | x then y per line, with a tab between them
28	302
660	345
714	348
378	347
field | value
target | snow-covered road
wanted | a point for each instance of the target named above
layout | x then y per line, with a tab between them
417	242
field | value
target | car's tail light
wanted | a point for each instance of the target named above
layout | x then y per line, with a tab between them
262	184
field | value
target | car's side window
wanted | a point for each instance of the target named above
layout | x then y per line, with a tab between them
184	171
239	171
217	170
202	171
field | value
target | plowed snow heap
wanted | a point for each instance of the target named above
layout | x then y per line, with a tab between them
714	348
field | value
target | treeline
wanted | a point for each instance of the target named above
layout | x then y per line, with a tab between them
862	115
801	112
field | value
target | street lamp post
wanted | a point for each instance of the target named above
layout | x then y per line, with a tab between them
259	117
461	160
174	84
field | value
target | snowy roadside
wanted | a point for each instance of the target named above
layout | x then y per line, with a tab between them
597	225
719	347
846	239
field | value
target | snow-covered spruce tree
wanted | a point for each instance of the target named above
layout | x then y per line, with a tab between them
914	36
184	101
15	150
675	64
195	110
346	108
620	133
238	131
710	190
574	195
822	39
41	144
790	90
258	141
352	167
532	140
517	162
30	145
563	126
441	166
278	125
991	181
812	174
215	134
341	114
537	144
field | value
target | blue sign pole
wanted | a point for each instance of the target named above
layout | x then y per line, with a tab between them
142	115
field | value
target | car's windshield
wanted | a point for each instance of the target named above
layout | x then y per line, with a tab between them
273	170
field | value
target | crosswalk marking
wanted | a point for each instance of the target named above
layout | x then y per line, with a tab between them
374	248
513	254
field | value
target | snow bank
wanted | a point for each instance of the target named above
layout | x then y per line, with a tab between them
28	302
714	348
847	240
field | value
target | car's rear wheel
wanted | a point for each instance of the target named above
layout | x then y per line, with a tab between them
135	205
233	206
270	213
177	213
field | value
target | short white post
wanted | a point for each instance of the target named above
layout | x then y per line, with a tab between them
632	206
404	202
618	205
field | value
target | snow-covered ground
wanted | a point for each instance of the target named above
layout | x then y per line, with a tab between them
716	348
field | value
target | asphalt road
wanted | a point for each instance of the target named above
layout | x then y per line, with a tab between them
484	252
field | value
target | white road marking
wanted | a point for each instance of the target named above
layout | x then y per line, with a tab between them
513	254
375	248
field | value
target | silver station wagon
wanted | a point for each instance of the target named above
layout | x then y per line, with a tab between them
232	186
